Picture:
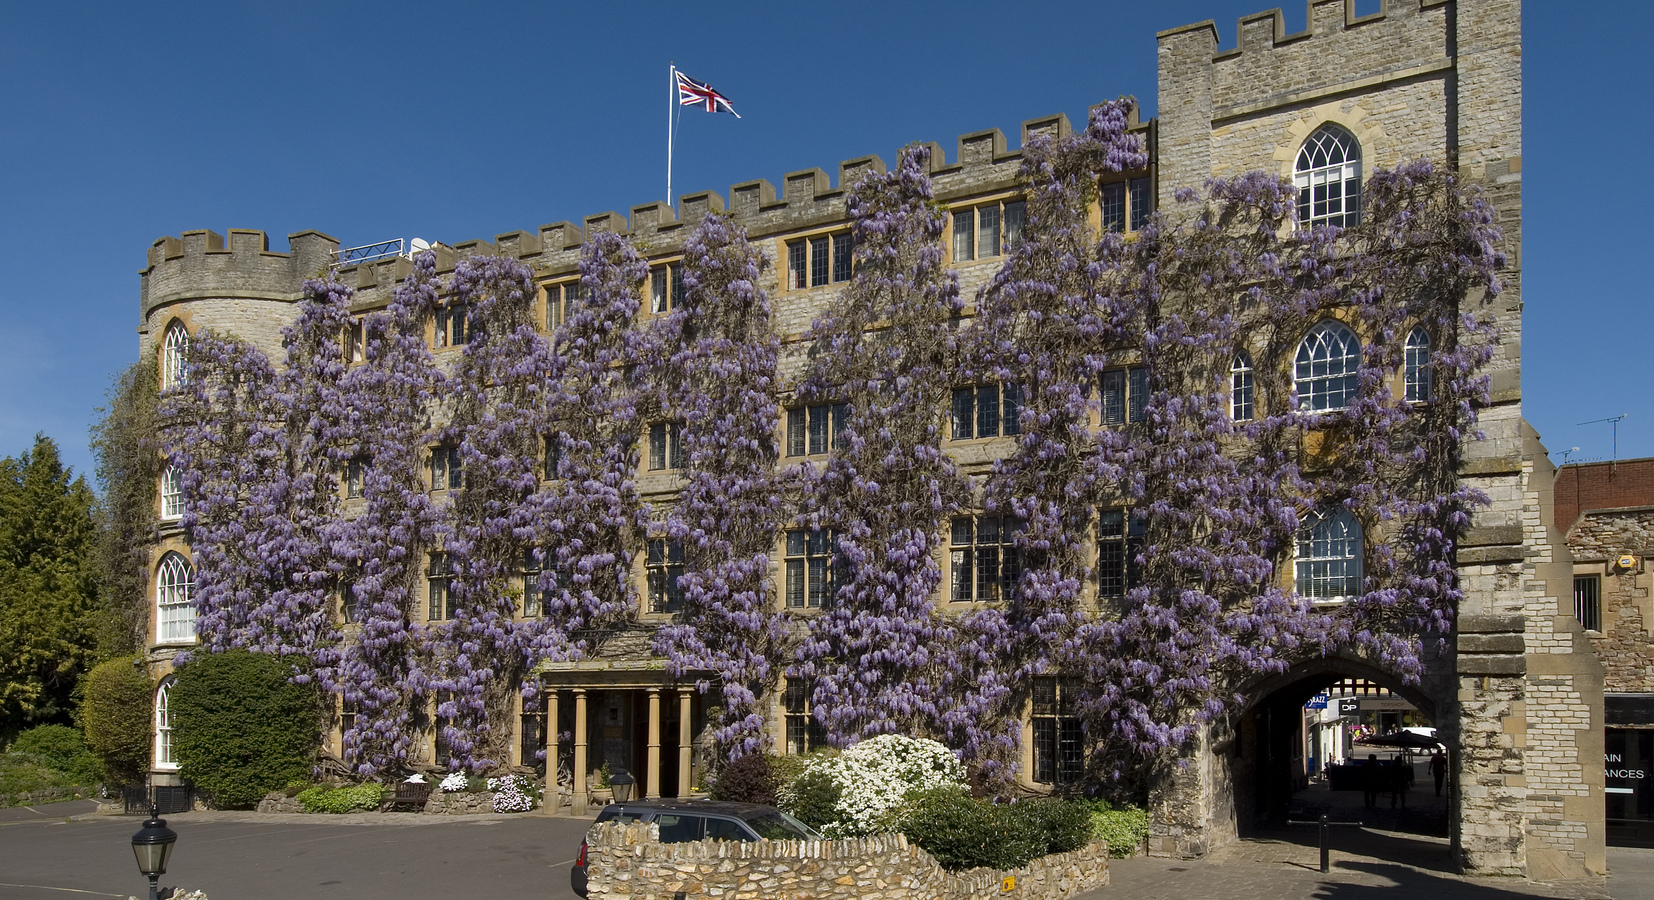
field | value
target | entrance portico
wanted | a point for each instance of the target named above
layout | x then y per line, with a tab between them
630	717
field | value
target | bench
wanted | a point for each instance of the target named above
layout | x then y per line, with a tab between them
405	793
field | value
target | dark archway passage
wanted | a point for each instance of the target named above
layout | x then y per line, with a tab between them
1280	755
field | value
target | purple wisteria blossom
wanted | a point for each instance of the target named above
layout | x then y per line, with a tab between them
880	657
721	386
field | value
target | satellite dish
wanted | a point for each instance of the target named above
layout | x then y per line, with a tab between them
418	244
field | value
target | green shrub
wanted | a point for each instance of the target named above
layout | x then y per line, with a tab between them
327	798
748	779
60	748
241	728
786	768
26	782
116	715
965	833
812	798
872	777
1066	824
1125	828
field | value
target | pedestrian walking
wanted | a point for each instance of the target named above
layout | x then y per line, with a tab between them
1438	769
1372	779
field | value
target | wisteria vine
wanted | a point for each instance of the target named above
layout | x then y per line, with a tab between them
547	428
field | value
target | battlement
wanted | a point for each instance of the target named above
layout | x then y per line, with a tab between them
806	199
200	264
1337	50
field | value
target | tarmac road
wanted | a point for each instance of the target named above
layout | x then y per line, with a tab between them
246	856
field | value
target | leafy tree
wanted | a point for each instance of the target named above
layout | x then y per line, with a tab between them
241	727
48	592
116	711
129	463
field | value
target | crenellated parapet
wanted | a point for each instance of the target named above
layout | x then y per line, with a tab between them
809	198
202	264
1332	68
1338	49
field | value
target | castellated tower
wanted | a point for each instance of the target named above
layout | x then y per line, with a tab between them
1521	694
237	288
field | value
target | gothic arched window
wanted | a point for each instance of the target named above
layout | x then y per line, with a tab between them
1329	556
1416	378
1329	358
163	727
1328	178
175	618
173	347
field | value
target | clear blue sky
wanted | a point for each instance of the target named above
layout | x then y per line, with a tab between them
121	123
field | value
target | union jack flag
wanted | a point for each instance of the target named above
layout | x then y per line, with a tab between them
693	93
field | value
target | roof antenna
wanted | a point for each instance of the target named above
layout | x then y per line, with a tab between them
1615	465
1567	453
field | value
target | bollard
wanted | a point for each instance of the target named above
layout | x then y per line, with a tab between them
1323	825
1324	852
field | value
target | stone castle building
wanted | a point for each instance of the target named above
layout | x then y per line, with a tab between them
1518	697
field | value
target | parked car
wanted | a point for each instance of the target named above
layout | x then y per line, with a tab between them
698	820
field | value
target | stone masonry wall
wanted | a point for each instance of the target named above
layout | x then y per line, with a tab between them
1625	644
629	861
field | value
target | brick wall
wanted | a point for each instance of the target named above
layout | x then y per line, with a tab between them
1603	485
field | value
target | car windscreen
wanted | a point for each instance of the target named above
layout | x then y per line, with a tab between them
778	826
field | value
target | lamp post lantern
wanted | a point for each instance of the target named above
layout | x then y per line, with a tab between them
621	783
152	845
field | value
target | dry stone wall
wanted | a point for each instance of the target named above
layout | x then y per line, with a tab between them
629	861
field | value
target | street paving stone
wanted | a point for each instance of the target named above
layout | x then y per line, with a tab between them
1399	851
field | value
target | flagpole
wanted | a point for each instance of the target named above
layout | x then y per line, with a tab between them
671	102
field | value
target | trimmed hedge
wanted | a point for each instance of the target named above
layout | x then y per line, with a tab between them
241	728
1066	824
329	798
1125	828
965	833
116	714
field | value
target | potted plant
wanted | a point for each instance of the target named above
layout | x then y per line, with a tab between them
600	793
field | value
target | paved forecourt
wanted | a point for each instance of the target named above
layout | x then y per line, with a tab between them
252	856
1366	864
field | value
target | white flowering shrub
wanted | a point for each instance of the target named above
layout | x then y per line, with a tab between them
454	783
513	793
874	775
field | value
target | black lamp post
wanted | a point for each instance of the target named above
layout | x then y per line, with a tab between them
621	783
153	847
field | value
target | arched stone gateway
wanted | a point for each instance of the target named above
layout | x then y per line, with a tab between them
1251	771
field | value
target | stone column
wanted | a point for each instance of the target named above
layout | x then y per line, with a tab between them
579	798
652	761
684	737
1028	743
553	801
